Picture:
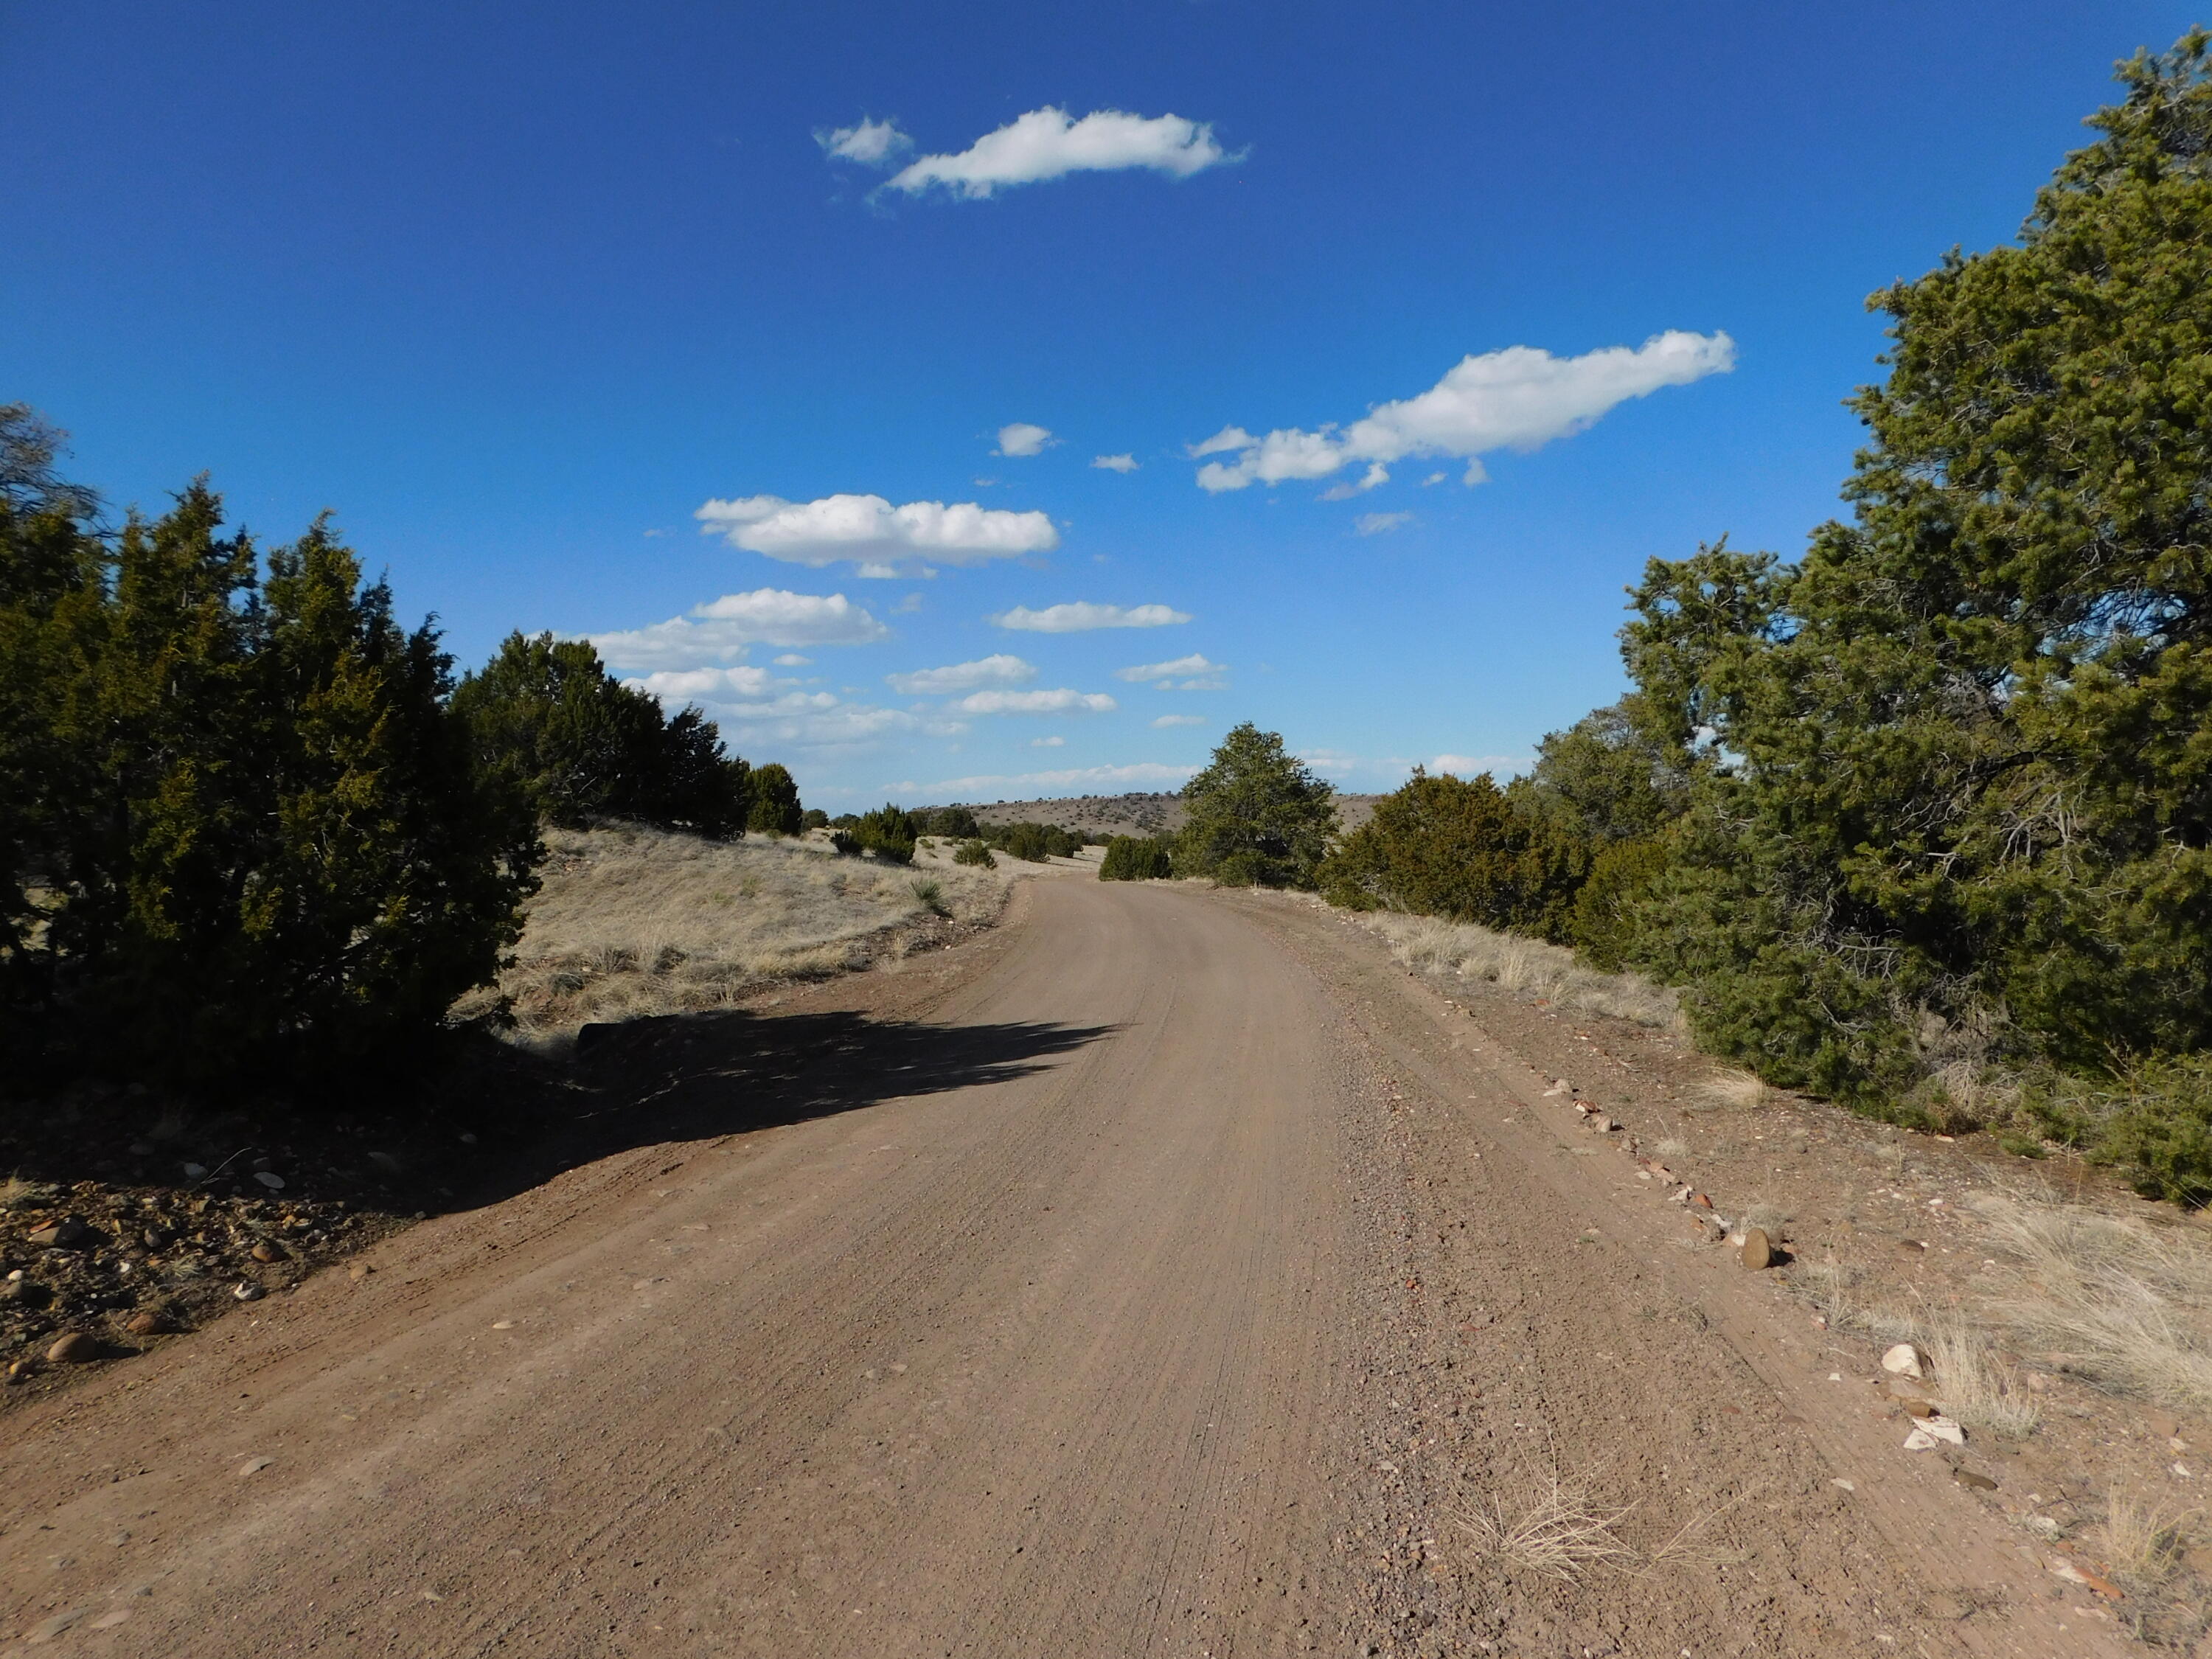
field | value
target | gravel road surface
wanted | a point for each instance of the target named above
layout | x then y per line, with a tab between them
1154	1276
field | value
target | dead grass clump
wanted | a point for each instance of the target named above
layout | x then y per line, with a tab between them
1552	1528
2123	1303
2142	1539
1972	1384
1732	1088
633	921
1528	967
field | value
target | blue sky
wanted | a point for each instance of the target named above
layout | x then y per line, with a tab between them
523	292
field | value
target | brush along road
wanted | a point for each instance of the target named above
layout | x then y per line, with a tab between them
1161	1273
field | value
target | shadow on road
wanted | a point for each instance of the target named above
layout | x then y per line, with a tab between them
695	1076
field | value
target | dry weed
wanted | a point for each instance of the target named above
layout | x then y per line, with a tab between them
1733	1088
1671	1148
1554	1528
1526	966
2123	1303
1974	1386
2143	1539
633	921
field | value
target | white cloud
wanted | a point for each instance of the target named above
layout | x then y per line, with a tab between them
1377	523
1143	774
870	531
1047	144
1114	463
1053	742
719	631
1166	720
1021	438
1080	616
683	685
1467	766
792	660
1000	669
1062	702
1518	399
1432	480
1193	664
871	143
816	720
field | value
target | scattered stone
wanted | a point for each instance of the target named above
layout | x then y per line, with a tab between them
157	1238
152	1323
246	1291
1758	1251
21	1371
265	1251
74	1349
1847	1485
1905	1388
358	1271
1973	1480
385	1162
1700	1201
468	1140
270	1179
69	1233
26	1293
1904	1360
1934	1430
1918	1407
255	1465
2075	1573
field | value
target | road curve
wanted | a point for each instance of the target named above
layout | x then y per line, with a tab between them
1040	1339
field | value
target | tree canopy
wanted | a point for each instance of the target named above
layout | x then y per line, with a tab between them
1255	815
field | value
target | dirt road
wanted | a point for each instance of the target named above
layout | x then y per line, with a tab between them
1095	1292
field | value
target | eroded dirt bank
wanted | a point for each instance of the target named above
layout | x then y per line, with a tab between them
1156	1274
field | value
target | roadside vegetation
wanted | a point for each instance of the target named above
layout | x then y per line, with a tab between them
1921	823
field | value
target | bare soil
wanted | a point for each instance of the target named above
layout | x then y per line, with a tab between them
1164	1271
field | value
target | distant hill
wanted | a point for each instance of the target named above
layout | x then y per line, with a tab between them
1127	815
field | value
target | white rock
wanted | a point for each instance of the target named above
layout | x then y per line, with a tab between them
247	1291
1903	1360
1934	1430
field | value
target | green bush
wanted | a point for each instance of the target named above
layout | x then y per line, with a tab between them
976	852
1032	842
1604	924
776	810
1255	815
952	822
814	819
2151	1120
888	833
1137	857
1459	849
243	829
546	719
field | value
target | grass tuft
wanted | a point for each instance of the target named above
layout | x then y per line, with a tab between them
1552	1529
1528	967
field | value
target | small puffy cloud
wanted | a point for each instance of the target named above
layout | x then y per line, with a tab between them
1048	144
1021	438
1467	766
682	685
1053	742
1143	774
719	631
871	143
1166	720
792	660
1519	398
1062	702
1380	524
1114	463
1193	664
1432	480
1000	669
1080	616
869	532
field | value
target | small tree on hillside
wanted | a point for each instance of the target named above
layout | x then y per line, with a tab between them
775	808
1255	815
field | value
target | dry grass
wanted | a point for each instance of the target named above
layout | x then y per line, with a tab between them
1731	1088
2125	1303
1552	1528
2142	1539
1973	1385
633	921
1527	966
